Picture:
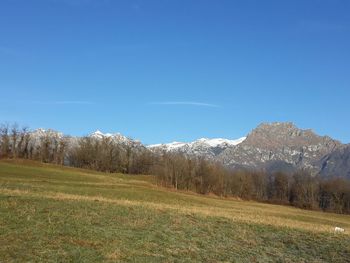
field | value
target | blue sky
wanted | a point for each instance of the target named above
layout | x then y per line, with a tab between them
164	70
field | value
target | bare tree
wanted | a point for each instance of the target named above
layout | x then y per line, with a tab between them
5	141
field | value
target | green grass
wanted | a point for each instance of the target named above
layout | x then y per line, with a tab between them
57	214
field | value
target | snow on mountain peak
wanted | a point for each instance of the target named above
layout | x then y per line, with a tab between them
199	146
40	132
100	134
175	145
169	146
220	141
116	137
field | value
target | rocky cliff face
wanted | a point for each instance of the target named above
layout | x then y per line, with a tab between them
336	163
278	145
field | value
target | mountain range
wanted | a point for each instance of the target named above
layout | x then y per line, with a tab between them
278	146
272	147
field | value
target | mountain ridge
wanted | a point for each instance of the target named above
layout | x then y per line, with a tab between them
275	146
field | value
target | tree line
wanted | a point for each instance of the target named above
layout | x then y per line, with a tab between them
299	189
100	154
17	142
178	171
106	155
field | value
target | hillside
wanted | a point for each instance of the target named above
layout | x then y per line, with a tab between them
51	213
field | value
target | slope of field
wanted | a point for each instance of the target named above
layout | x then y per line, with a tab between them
56	214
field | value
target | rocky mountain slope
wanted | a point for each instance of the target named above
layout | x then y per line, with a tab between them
280	146
271	147
337	163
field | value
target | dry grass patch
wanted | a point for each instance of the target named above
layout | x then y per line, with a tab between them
247	214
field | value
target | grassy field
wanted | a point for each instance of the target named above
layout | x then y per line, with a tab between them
56	214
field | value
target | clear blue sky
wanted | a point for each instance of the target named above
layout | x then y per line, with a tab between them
164	70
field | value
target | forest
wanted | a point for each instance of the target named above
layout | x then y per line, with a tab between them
181	172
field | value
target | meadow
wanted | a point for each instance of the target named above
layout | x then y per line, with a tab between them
51	213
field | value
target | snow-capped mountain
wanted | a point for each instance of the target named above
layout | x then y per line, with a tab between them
115	137
208	148
39	133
